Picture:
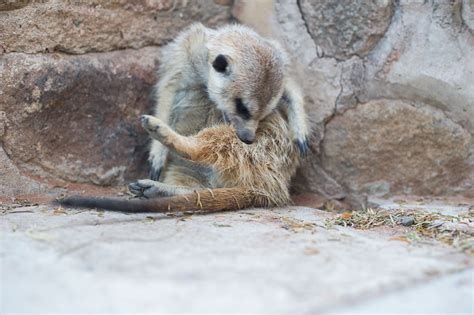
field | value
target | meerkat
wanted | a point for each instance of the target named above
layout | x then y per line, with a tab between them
243	176
227	76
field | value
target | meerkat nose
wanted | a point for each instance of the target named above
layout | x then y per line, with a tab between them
246	137
247	141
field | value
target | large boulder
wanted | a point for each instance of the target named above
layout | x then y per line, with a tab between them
76	117
89	26
395	147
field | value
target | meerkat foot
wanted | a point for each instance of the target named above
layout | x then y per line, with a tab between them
136	189
146	188
151	189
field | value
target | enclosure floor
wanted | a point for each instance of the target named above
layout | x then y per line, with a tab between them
284	260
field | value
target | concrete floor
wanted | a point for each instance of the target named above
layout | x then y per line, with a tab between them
272	261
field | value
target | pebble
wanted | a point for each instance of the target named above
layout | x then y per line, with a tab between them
407	221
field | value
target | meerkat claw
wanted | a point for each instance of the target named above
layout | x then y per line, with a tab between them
145	188
144	121
135	189
303	146
155	173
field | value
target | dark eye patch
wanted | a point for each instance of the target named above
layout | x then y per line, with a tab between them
220	64
242	110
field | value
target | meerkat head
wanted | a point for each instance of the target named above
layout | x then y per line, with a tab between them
246	77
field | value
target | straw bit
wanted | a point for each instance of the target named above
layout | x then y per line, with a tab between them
456	231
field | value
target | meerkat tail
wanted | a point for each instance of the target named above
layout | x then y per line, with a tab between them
202	201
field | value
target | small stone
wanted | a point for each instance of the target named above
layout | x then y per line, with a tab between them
407	221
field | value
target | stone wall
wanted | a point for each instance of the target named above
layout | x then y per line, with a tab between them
390	88
74	78
389	85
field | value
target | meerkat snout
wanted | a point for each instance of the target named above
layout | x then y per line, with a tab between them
245	79
246	136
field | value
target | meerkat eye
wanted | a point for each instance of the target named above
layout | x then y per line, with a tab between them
220	63
242	110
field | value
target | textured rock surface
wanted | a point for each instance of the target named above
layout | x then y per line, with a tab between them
409	61
17	183
254	261
345	28
467	13
67	118
76	117
85	26
13	4
418	53
388	146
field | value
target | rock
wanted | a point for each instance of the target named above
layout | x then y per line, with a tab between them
76	117
414	51
388	88
312	177
259	15
406	221
467	13
346	28
309	200
433	67
13	4
411	149
89	26
13	182
200	264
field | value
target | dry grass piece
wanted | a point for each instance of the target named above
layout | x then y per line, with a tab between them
456	231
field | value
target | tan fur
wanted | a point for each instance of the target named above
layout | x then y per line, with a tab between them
244	175
193	150
264	167
191	95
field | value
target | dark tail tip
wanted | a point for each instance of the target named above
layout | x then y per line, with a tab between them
112	204
76	201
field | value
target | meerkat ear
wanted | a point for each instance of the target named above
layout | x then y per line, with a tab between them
220	63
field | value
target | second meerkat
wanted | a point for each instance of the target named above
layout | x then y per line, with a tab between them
233	75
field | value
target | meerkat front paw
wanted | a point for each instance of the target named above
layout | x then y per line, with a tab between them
187	147
301	139
300	130
303	146
156	128
150	123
